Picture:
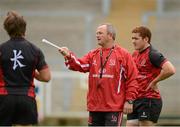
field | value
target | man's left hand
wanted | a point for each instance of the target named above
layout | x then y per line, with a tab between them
128	108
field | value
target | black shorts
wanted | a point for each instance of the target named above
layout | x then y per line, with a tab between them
146	109
17	110
105	118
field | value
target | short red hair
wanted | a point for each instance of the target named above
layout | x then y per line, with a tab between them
143	32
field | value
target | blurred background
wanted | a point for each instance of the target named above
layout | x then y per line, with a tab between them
73	23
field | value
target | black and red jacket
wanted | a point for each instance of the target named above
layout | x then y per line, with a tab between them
149	63
118	82
18	60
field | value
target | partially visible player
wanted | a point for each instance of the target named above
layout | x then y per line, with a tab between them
153	67
20	62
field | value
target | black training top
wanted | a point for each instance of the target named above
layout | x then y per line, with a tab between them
18	60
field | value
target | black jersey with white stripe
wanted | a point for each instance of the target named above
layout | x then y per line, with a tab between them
18	60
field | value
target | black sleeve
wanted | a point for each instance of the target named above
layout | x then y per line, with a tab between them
156	58
41	63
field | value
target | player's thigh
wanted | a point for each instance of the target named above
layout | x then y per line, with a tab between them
146	123
132	122
26	111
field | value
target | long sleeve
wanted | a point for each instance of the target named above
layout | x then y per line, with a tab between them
78	64
131	80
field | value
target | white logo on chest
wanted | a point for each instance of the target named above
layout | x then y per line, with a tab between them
112	62
143	63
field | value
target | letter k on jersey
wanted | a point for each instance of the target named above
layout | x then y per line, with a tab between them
16	58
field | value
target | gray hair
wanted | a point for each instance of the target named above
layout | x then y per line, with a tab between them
110	30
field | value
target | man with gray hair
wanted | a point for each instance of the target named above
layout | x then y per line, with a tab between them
112	78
